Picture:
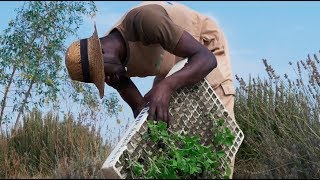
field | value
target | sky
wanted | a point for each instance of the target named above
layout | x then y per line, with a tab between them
279	31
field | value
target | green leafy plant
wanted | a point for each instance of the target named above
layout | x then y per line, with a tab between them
182	156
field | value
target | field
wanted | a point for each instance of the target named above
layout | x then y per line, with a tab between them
279	117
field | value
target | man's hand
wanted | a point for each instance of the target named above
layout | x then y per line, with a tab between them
137	109
158	98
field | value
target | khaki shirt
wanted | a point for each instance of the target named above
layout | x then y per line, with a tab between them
151	31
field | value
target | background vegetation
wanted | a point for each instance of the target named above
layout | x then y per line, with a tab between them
39	136
280	119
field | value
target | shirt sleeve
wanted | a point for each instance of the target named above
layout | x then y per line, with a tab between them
151	24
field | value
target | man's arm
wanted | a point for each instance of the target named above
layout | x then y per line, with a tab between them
156	80
129	93
200	63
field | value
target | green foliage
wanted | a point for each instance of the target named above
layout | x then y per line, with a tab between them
223	135
32	58
181	156
280	120
48	147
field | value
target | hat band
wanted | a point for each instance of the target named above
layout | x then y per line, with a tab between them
85	60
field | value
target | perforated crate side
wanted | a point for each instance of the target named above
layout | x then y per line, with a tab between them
129	145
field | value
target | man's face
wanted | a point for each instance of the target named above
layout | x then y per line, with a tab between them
113	70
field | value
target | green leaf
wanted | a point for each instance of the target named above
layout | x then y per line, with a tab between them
151	172
162	126
220	154
174	163
218	138
228	173
137	168
220	122
171	174
178	156
229	141
194	169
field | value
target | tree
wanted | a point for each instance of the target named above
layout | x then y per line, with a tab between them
32	70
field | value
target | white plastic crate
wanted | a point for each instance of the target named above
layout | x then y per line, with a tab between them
189	111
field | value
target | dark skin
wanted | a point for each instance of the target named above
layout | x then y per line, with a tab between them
200	63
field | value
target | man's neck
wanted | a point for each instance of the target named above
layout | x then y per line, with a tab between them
114	45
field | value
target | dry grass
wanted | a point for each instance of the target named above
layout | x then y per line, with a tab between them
280	119
45	147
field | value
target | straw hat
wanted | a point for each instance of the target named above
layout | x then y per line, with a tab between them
84	61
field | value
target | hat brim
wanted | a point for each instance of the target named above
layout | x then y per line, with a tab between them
96	64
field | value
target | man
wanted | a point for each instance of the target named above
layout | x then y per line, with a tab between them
148	41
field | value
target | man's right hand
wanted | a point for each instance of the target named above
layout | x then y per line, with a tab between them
136	110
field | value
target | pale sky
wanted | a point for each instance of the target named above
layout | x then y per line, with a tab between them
277	31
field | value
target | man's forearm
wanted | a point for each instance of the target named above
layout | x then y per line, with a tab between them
198	67
131	95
